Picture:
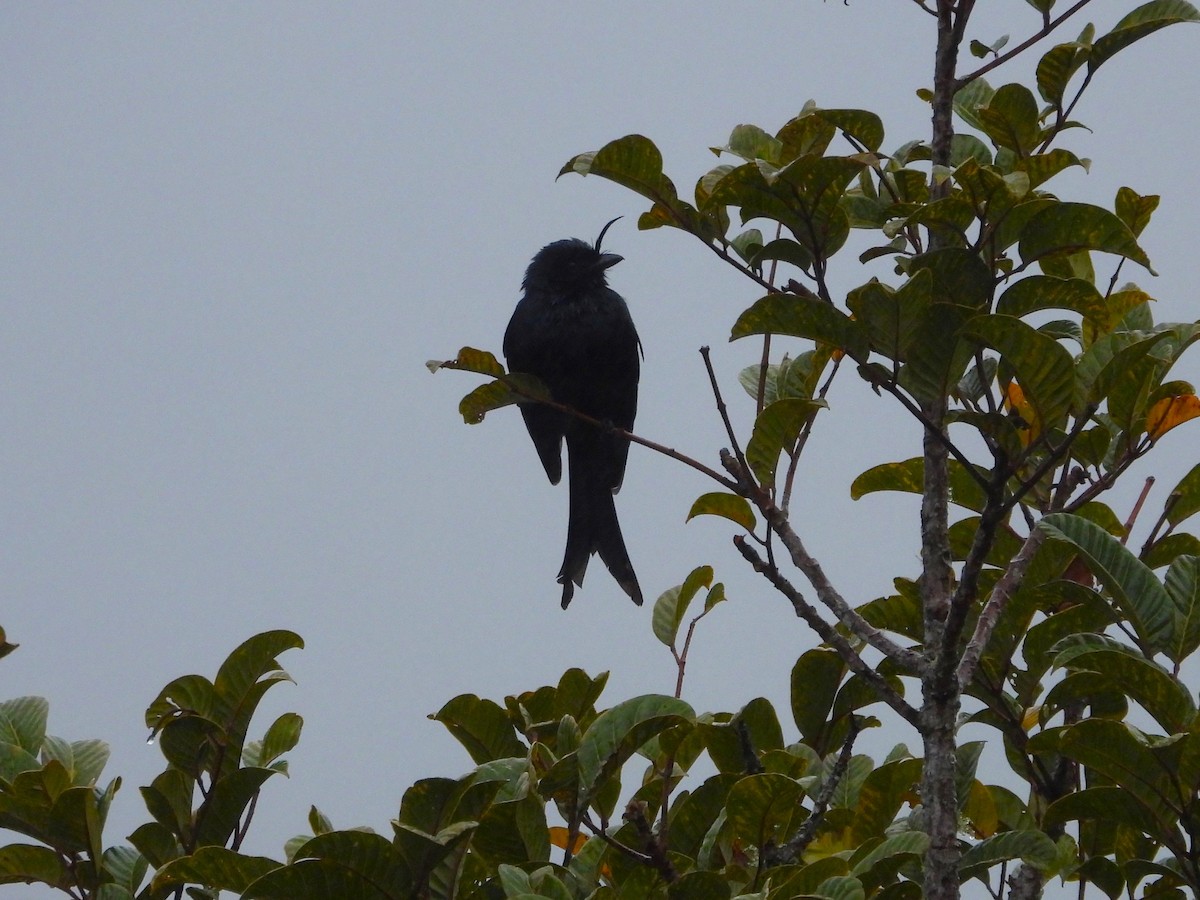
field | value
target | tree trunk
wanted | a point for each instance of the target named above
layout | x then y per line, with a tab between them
940	688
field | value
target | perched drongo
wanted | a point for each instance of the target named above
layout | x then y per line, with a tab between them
574	333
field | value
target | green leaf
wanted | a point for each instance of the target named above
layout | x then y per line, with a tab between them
950	215
1144	20
716	594
908	476
189	743
513	831
700	885
632	161
672	605
960	277
88	759
760	807
937	355
761	724
970	98
1185	497
30	863
841	887
318	821
1055	69
1066	228
1010	119
1037	292
126	866
729	506
23	723
1042	167
692	814
1110	361
482	727
804	317
750	143
1183	587
518	387
618	732
1140	679
814	683
784	250
1167	549
192	694
862	125
1032	847
883	793
776	430
1135	210
349	865
883	857
811	189
282	736
1125	757
214	867
1101	804
1044	368
1131	584
967	146
748	245
1079	610
156	842
892	317
246	675
432	804
226	804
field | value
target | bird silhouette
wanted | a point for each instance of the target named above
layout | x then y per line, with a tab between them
574	333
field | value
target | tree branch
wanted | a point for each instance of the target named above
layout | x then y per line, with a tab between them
610	428
1008	584
829	595
723	410
829	634
795	847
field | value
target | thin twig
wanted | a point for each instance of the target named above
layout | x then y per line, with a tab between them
938	433
1000	60
635	813
723	410
1137	508
1163	518
623	849
802	441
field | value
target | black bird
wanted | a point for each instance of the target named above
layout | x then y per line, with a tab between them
575	334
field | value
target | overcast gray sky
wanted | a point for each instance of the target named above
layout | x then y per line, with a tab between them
234	233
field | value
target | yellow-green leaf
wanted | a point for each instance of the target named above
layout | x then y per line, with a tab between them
776	430
672	604
1065	228
805	317
729	506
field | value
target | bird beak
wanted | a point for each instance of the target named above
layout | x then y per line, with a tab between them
607	261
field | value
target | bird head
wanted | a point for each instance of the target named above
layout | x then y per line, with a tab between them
570	267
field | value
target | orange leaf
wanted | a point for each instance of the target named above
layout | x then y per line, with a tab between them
1015	402
1169	412
559	835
